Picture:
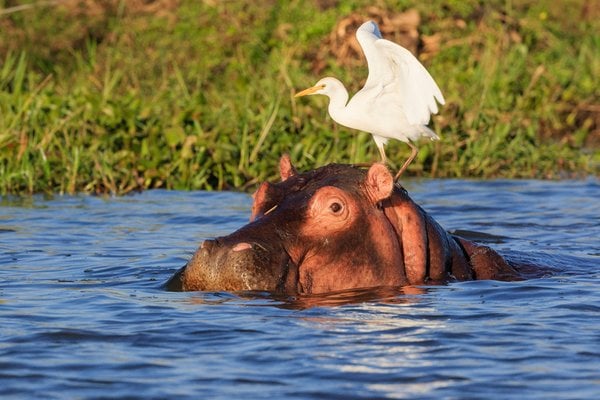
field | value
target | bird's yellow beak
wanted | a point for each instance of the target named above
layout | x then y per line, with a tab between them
310	90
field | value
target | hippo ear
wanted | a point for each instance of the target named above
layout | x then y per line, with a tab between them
286	169
379	182
260	197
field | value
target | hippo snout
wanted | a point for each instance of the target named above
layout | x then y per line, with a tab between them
223	264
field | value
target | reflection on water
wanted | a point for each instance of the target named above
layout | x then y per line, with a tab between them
393	295
83	313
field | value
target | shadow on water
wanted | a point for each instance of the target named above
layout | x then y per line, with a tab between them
479	237
385	295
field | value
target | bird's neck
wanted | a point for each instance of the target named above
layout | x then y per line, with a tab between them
337	106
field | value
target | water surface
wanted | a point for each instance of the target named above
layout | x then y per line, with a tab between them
83	313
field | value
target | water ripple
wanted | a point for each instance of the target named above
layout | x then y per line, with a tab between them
83	313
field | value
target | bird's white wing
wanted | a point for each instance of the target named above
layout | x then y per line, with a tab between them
405	82
367	34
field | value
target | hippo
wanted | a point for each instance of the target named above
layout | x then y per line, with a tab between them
336	228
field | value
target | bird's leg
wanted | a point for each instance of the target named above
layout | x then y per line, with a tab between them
413	154
382	153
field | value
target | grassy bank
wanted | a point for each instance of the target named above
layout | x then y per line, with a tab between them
117	96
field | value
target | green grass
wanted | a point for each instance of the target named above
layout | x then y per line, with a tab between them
200	95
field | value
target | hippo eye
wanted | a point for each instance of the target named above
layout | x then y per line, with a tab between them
335	207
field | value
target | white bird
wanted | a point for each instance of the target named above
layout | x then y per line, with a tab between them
396	101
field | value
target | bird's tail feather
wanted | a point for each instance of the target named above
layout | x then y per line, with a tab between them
429	133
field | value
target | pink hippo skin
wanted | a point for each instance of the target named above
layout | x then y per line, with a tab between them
335	228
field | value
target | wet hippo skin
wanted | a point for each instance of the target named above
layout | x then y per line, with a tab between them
335	228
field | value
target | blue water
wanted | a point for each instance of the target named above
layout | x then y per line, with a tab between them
83	314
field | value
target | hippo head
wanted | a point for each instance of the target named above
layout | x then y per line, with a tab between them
334	228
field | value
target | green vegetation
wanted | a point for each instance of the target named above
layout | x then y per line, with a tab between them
114	96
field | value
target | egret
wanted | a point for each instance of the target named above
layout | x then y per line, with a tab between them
397	100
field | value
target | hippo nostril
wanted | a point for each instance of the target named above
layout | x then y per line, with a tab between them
242	246
208	245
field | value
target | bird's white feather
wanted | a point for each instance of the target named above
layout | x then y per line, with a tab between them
401	79
406	81
367	34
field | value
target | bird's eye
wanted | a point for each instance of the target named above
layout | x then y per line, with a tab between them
335	207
